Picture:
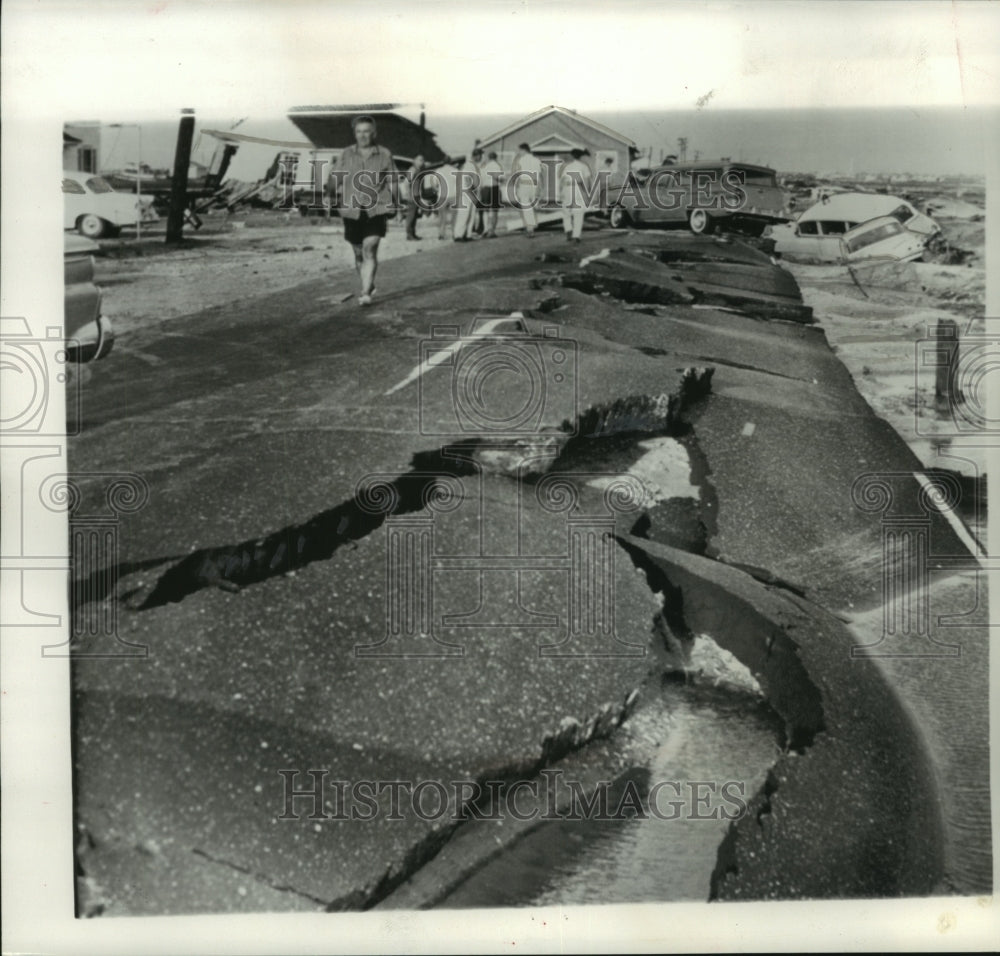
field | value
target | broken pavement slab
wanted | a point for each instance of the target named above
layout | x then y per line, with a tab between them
273	661
857	785
693	270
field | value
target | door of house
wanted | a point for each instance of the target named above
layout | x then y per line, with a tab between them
552	161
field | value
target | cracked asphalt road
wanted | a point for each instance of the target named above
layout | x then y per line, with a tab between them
254	573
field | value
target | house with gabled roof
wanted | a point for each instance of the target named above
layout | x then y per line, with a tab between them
552	132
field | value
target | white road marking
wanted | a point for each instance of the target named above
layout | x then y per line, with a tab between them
748	429
957	525
603	254
438	357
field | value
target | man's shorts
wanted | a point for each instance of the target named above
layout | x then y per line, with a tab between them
357	230
489	197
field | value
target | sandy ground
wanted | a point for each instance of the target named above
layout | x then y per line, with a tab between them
226	261
884	330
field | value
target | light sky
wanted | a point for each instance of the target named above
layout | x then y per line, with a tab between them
230	56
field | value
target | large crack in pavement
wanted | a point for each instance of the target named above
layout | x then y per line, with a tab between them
236	566
840	787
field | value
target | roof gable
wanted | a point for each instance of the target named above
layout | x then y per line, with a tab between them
569	114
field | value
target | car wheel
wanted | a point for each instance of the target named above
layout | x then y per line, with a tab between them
700	222
618	218
91	226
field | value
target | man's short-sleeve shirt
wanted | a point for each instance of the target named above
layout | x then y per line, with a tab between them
364	182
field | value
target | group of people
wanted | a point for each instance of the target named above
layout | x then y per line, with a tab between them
484	181
468	195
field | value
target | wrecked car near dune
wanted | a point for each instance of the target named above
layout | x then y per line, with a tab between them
884	237
827	231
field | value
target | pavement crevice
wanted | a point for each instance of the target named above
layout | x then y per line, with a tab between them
697	605
252	561
259	877
694	604
233	567
571	736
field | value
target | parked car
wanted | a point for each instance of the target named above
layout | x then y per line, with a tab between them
94	209
705	195
883	237
843	211
89	334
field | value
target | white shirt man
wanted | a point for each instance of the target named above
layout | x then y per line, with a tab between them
468	198
574	190
526	175
446	179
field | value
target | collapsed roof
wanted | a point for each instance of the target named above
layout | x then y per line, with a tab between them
329	127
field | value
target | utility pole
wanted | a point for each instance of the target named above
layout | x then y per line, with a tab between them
682	148
178	185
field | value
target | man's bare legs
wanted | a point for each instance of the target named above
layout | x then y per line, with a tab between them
366	264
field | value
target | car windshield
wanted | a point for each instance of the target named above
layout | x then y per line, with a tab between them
72	186
97	185
876	234
902	213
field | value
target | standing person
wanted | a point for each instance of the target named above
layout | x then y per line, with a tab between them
364	186
415	182
477	168
526	186
574	183
446	183
489	193
607	171
468	196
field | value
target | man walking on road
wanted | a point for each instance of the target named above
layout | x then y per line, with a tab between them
574	187
526	174
365	192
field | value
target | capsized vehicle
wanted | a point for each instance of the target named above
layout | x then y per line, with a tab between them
94	209
842	211
88	332
883	237
704	195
